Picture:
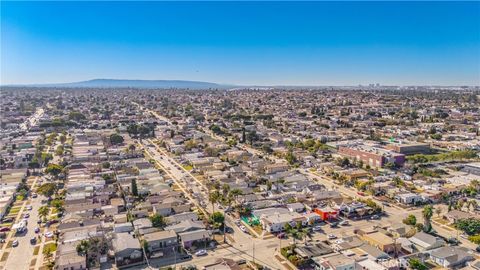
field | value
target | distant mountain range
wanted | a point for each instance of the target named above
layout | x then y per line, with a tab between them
113	83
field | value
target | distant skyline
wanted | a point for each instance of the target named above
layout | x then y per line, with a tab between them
242	43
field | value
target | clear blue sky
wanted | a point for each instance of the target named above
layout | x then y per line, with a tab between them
307	43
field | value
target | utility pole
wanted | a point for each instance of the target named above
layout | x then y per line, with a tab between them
254	254
175	262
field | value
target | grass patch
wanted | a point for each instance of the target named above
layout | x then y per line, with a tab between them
4	256
36	250
258	229
6	225
50	246
15	209
188	167
9	244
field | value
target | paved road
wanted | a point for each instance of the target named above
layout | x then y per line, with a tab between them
21	255
243	246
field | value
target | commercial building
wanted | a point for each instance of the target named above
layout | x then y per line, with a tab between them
372	155
409	148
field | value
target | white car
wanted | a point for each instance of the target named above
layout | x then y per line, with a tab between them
343	223
317	228
201	252
15	243
332	236
243	228
29	207
48	234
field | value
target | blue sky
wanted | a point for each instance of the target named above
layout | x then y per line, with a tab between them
263	43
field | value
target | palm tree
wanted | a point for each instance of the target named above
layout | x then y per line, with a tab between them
43	212
131	148
213	198
427	215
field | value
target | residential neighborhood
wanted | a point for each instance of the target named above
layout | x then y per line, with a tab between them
258	179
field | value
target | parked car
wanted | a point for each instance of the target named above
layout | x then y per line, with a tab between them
343	223
29	207
386	204
317	228
37	230
48	234
7	220
201	252
282	235
15	243
34	195
375	217
4	229
33	240
243	228
333	224
26	215
332	236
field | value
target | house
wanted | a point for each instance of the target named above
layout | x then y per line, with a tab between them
161	240
408	198
326	213
123	227
424	241
296	207
222	264
67	258
399	229
127	250
310	251
276	222
334	262
185	226
191	238
455	215
142	223
379	240
451	257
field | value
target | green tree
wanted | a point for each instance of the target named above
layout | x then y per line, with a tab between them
43	211
54	169
217	219
213	198
47	189
134	187
116	139
158	221
290	157
416	264
62	139
76	116
410	220
58	204
427	213
470	226
474	239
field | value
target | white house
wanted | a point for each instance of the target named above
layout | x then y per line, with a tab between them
408	198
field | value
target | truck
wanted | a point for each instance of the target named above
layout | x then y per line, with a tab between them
20	227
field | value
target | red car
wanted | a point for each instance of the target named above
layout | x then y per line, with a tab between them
4	229
361	193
